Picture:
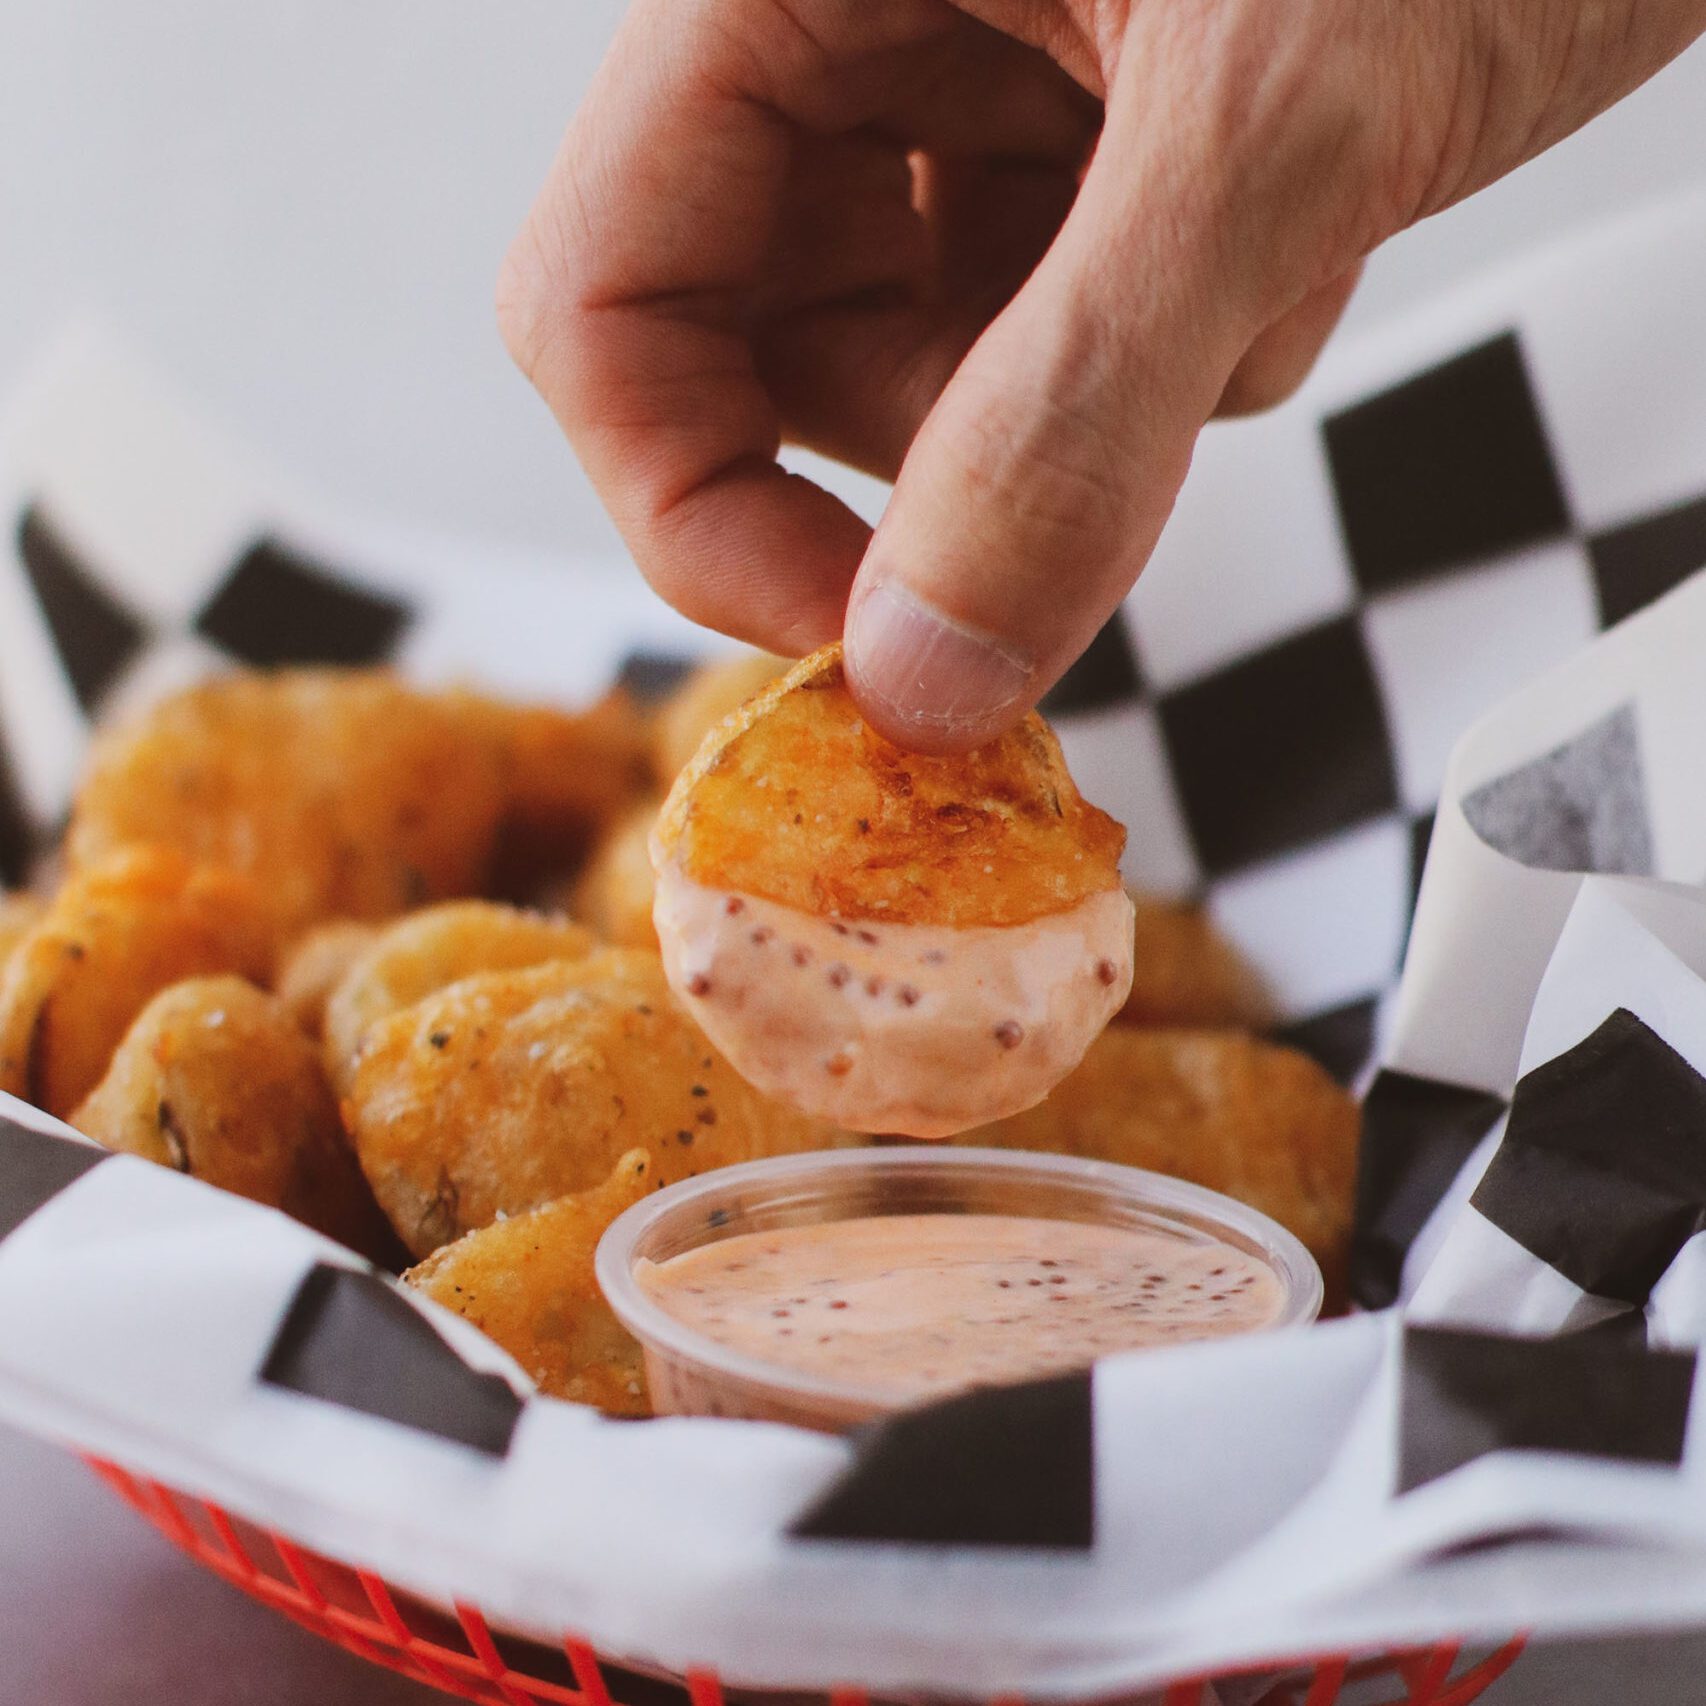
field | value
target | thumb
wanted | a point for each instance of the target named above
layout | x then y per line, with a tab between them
1038	484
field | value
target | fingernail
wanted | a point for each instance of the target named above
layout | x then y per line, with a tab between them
935	680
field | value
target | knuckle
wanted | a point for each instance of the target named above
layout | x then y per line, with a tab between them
527	291
1049	465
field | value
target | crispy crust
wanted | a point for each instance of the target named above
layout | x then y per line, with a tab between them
570	776
345	795
1260	1122
19	914
1184	972
708	695
504	1091
795	799
114	937
614	894
215	1079
429	950
528	1284
315	965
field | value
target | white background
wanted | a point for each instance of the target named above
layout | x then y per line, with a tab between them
298	206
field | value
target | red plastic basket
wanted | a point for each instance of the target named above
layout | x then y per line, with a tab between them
464	1656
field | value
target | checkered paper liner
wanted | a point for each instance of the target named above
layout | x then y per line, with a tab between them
1447	512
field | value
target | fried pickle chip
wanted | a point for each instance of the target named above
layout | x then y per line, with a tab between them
1259	1122
113	938
315	965
215	1079
894	942
570	775
1184	972
614	893
344	794
20	913
431	949
708	695
528	1283
504	1091
793	799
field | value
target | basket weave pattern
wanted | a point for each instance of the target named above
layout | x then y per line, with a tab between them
465	1657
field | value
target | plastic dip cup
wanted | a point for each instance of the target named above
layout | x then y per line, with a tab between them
689	1372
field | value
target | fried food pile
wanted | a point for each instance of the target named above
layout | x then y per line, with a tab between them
383	959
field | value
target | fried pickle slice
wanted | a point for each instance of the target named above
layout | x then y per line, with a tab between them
794	799
315	965
528	1283
20	913
431	949
710	693
504	1091
115	936
1184	972
614	893
216	1079
344	794
571	775
1257	1121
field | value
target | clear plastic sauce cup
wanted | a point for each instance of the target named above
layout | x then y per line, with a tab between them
690	1373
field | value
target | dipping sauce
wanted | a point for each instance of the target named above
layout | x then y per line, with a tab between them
917	1306
898	1028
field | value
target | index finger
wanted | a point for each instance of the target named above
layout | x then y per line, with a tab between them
623	301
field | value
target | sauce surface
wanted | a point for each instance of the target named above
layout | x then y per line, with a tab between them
919	1306
909	1028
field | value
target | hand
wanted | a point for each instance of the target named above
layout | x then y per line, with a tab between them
1011	253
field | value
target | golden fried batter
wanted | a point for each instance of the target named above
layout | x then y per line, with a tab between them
570	775
708	695
216	1080
614	894
1184	972
315	965
505	1091
346	795
114	937
528	1284
20	913
795	800
431	949
1260	1122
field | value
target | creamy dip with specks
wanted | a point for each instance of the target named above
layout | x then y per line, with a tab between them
912	1029
918	1306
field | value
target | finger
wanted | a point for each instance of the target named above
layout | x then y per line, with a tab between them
1273	367
627	298
624	300
1034	492
855	372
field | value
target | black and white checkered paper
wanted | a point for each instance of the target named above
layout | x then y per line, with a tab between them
1372	621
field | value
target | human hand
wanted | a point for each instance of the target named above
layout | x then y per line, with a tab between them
1011	253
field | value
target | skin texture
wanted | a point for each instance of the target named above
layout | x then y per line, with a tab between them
795	799
1014	252
1260	1122
503	1092
528	1283
113	938
216	1079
